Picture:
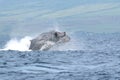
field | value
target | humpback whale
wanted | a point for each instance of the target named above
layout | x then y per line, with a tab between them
47	40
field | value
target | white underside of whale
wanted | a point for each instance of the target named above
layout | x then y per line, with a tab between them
47	45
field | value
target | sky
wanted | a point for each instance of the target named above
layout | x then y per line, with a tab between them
29	17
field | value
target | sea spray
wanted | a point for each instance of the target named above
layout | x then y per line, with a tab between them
20	45
56	27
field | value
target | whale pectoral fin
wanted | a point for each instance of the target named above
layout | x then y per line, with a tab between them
47	46
56	35
36	45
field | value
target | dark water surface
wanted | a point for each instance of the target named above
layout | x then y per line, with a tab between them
60	65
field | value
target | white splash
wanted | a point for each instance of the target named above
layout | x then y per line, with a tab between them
56	27
20	45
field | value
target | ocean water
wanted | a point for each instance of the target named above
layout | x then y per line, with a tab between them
88	56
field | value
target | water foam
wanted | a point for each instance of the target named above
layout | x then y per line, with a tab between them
20	45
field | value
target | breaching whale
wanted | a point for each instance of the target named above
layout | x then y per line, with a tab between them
47	40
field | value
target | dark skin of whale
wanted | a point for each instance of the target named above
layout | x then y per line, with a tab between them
50	39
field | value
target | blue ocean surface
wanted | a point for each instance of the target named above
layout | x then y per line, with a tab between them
88	56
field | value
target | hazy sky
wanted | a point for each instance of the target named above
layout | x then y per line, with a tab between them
26	16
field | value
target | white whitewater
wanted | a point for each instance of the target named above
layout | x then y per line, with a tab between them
20	45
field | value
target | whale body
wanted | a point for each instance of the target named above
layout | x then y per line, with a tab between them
47	40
